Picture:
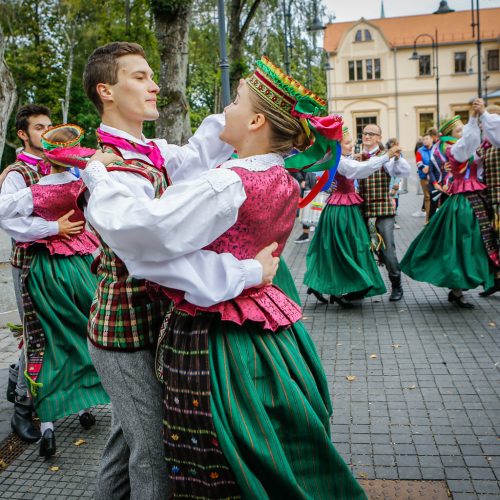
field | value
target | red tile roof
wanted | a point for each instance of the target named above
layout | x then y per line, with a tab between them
402	31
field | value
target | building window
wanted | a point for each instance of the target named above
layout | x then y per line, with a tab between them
425	122
460	62
369	69
424	65
492	60
351	71
359	70
464	114
361	123
372	69
358	37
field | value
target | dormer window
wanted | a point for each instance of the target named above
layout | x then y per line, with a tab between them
363	36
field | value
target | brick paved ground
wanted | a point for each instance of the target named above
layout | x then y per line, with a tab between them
426	407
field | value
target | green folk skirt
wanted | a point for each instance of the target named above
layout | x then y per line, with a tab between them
247	413
271	410
449	251
62	289
339	259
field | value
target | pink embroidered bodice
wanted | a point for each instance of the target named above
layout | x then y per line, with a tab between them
267	215
345	192
464	175
51	202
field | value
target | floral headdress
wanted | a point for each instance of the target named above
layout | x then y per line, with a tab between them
289	97
66	153
448	125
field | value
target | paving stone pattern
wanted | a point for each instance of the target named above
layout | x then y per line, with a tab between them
424	407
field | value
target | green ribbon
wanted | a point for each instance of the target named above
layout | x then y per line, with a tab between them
314	158
306	106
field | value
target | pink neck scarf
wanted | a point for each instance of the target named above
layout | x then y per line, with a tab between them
42	166
151	150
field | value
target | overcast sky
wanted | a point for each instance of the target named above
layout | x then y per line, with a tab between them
352	10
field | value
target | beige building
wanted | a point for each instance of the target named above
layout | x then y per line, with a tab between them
373	79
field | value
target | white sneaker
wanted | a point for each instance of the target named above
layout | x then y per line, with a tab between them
419	213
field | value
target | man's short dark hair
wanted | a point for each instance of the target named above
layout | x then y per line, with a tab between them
432	132
102	67
28	110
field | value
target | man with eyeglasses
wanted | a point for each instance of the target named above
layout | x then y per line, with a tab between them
378	208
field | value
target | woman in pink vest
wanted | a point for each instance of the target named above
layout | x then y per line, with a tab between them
58	288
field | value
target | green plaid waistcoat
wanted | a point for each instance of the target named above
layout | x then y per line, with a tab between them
375	192
30	177
123	315
491	162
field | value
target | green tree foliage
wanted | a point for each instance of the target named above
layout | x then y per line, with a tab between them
38	52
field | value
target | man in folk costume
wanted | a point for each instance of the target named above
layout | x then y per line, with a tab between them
489	119
124	319
378	209
31	121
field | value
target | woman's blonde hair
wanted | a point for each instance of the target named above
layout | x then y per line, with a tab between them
287	132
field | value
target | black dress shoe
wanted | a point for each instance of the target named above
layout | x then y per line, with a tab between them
396	294
318	295
48	444
22	423
344	304
491	290
459	301
87	420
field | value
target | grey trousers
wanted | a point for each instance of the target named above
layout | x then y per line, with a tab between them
21	386
132	464
385	227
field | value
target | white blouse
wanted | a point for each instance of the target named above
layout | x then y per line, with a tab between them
24	228
160	239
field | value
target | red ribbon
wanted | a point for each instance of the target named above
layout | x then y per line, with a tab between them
315	190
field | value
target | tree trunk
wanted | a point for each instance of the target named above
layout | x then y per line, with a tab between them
69	75
172	30
8	94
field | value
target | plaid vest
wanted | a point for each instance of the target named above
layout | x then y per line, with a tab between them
30	177
375	192
123	315
491	162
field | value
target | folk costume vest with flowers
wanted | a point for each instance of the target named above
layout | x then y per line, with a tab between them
123	315
267	215
51	202
30	176
345	192
375	192
464	175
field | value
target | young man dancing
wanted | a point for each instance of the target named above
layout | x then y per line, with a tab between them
124	319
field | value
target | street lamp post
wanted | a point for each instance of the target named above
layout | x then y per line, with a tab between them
481	72
476	32
435	66
314	28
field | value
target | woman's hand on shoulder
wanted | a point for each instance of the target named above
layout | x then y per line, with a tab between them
105	158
